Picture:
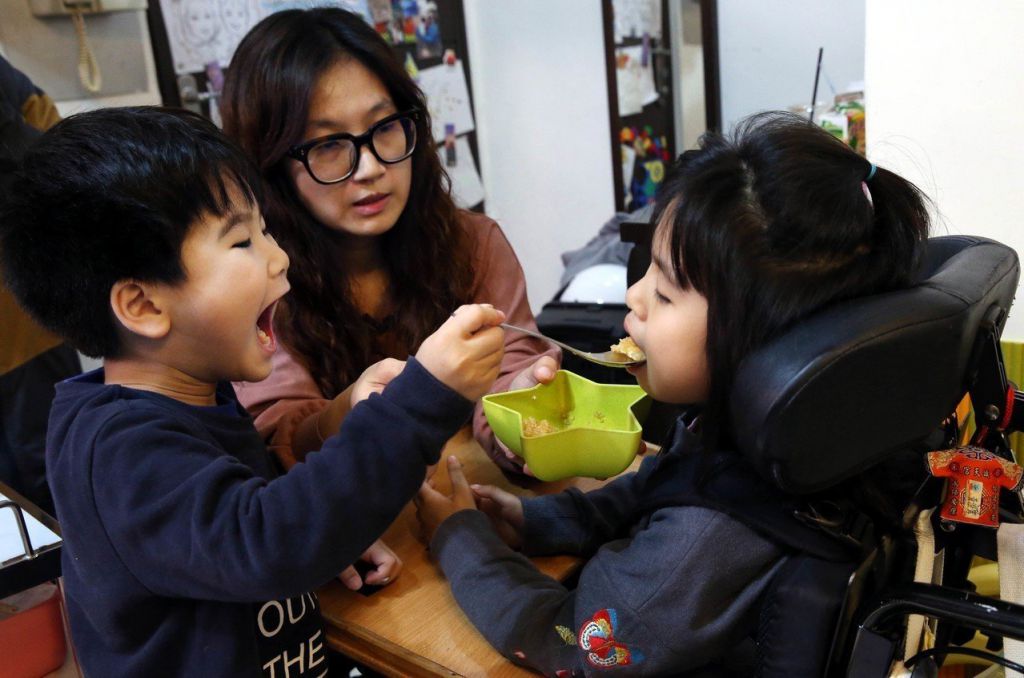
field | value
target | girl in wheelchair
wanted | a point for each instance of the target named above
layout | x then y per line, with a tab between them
754	233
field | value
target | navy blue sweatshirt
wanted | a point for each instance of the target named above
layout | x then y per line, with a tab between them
185	555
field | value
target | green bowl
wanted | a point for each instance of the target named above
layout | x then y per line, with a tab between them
598	425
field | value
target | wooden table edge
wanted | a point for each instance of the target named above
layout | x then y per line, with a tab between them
389	659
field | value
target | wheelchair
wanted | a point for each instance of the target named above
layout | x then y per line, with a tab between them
864	389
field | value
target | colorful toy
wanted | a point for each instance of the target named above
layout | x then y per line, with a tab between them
651	155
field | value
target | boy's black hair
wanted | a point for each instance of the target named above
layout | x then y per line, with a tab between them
110	195
775	222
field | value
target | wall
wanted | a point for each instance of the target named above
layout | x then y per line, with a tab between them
945	87
688	71
540	96
148	95
541	106
768	52
47	51
541	103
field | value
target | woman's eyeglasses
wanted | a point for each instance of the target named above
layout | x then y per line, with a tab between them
335	157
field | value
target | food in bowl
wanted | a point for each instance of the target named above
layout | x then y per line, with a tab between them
537	427
629	348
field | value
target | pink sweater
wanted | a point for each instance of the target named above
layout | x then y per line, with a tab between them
289	395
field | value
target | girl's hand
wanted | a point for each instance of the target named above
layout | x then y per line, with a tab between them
433	508
386	566
540	372
505	511
465	352
374	378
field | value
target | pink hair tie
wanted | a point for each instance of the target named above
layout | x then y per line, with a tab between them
864	184
867	192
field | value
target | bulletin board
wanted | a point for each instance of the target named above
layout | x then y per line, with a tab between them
193	41
641	98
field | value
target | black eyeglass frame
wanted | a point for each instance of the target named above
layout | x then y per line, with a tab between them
301	151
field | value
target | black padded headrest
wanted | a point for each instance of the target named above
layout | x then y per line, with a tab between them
862	379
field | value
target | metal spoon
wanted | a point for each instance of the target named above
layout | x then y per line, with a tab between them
606	358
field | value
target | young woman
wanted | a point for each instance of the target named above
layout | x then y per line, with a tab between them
359	200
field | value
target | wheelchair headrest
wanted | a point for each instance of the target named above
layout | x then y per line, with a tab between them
862	379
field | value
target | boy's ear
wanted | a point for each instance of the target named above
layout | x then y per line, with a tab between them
138	306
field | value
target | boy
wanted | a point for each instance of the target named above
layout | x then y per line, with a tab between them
136	235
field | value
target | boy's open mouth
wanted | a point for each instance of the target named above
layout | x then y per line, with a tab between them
265	327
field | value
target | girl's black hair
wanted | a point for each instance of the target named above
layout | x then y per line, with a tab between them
110	195
773	223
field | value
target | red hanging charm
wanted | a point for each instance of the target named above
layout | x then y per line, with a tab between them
975	476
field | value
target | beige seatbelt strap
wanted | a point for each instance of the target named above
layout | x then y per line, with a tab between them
1010	541
927	570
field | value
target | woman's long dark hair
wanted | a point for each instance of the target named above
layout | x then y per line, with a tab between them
774	223
265	107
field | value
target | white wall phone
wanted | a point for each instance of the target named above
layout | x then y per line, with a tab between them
88	69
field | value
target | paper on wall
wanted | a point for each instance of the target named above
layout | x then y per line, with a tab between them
205	31
628	166
201	31
447	98
635	82
360	7
633	18
467	190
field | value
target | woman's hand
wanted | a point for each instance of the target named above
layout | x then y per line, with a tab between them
374	378
433	508
318	427
514	458
542	371
465	352
505	511
386	566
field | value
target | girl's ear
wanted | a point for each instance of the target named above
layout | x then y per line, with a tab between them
139	308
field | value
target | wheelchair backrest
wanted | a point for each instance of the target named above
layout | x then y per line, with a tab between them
862	379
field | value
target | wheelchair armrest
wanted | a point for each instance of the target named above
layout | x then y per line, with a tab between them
873	649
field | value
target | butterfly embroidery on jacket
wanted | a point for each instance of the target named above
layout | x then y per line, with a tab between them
597	638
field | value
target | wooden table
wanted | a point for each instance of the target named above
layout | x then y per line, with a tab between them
414	627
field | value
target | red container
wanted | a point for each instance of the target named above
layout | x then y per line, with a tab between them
32	638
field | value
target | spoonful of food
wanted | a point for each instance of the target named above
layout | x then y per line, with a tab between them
623	354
